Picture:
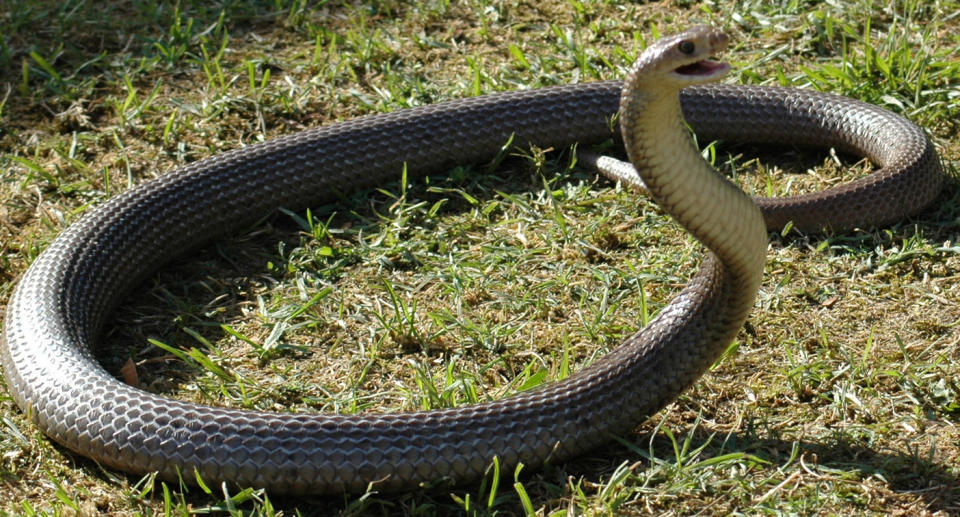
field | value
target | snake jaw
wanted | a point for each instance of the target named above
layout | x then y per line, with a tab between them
704	70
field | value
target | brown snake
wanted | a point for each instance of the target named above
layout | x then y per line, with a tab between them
59	307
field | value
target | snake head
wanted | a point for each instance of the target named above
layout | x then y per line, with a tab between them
682	60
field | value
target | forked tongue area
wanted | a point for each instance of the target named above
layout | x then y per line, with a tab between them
704	67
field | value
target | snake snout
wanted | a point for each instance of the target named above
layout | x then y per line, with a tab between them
719	40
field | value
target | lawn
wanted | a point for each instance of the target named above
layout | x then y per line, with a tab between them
839	396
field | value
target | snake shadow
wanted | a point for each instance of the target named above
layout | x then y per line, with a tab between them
913	472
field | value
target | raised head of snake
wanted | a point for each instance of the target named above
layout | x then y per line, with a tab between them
659	145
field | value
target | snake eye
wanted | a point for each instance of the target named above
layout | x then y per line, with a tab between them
686	46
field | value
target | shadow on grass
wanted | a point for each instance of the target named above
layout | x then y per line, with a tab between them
908	475
74	37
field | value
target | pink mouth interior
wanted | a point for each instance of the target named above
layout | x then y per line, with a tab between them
705	67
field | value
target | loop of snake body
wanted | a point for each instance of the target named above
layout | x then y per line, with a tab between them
58	309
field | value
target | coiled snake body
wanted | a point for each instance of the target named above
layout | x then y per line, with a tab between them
60	305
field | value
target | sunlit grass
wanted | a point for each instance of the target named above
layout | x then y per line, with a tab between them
838	397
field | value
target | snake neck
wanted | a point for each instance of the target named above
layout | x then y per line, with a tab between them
712	209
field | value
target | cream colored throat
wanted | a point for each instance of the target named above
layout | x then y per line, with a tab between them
710	207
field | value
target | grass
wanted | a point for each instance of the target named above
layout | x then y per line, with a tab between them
838	396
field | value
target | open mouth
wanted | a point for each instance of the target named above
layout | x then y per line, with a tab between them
704	67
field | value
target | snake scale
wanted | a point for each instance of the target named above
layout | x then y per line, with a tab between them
59	307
